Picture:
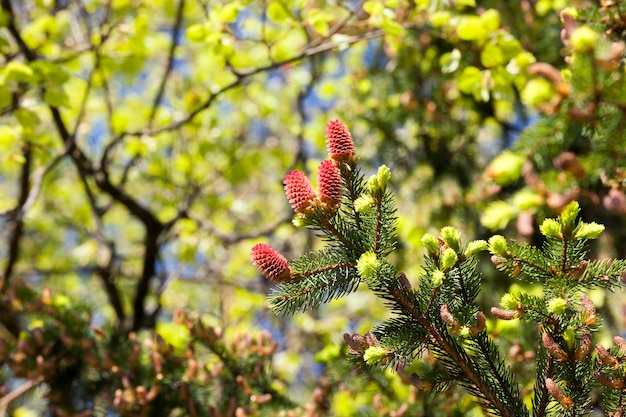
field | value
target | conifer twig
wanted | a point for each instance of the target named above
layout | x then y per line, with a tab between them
454	355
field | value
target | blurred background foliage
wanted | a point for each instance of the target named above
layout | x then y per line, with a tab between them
143	147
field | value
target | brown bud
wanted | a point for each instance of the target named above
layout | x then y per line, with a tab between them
604	357
590	310
557	202
356	343
578	271
46	296
420	384
505	314
153	393
371	339
403	280
615	201
585	347
261	399
568	161
546	71
39	337
621	343
141	394
608	381
569	25
481	323
609	59
557	394
553	348
447	317
243	384
586	113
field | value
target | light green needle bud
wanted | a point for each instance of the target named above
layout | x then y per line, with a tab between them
475	246
588	231
374	354
372	184
569	213
384	173
497	215
498	245
448	259
569	335
527	199
430	243
505	168
363	204
451	236
438	277
551	228
557	306
508	301
583	39
464	332
299	220
367	265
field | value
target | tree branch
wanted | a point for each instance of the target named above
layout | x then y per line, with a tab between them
243	75
170	62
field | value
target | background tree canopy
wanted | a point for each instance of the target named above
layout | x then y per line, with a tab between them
144	144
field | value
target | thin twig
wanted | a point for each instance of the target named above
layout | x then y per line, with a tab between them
18	392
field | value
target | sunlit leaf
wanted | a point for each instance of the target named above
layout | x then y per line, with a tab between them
471	28
56	97
16	71
450	61
491	56
469	79
490	19
27	118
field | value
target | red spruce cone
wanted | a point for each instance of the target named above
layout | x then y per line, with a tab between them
329	183
299	190
339	142
270	263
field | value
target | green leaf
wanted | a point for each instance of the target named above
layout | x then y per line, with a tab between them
390	26
277	12
439	18
196	32
490	20
373	7
471	28
510	47
50	72
450	61
6	97
469	79
56	97
319	20
229	12
28	119
175	335
8	135
18	72
182	162
491	56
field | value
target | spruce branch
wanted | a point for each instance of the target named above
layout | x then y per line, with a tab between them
462	361
440	315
